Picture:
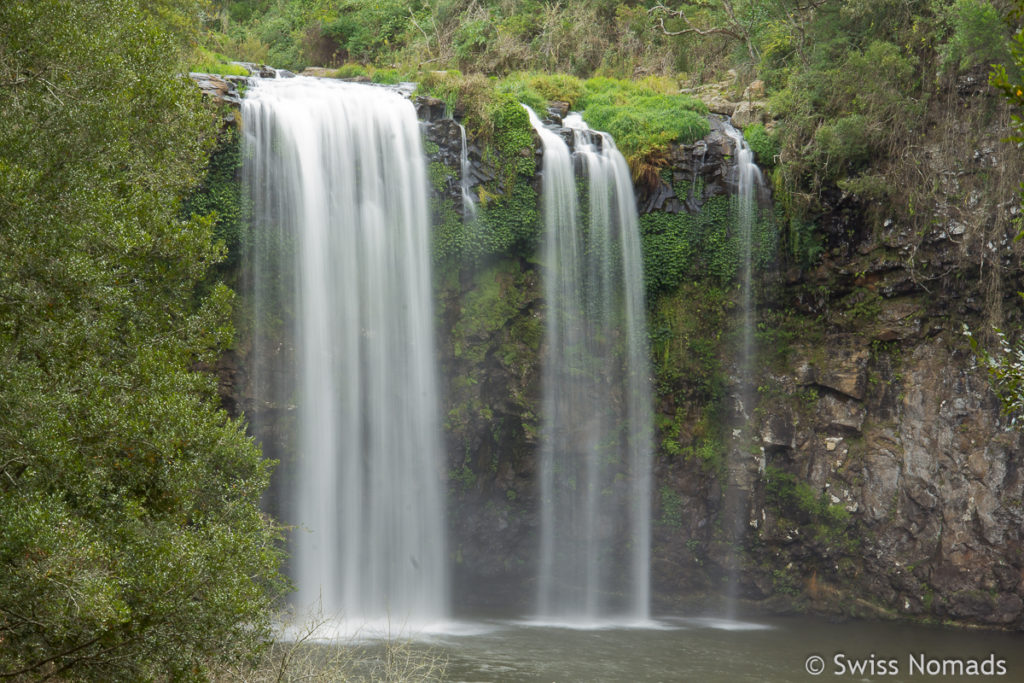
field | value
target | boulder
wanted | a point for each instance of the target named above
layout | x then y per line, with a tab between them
749	112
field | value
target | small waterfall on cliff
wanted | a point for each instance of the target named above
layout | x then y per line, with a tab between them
340	261
749	183
468	203
596	439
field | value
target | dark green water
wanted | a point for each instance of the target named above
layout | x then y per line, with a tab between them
705	649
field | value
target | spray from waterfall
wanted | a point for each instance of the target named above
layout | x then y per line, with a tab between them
340	266
597	420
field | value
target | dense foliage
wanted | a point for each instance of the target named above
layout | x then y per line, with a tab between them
493	36
853	85
642	120
132	545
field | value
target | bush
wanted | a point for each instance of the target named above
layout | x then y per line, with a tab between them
219	198
557	87
642	121
366	30
208	62
843	146
520	88
350	71
765	145
978	36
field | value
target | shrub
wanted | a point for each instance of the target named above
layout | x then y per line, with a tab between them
350	71
844	146
642	122
557	87
978	36
208	62
765	145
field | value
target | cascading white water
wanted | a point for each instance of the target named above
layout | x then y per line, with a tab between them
341	243
749	182
468	204
597	421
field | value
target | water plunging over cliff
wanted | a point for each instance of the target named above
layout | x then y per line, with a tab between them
468	203
595	452
340	264
749	183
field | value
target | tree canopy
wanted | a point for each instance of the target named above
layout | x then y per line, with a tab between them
132	544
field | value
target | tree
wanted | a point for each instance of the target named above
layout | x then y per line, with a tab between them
132	545
1010	81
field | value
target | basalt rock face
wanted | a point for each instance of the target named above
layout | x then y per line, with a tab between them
887	481
705	164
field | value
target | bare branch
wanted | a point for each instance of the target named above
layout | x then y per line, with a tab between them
734	29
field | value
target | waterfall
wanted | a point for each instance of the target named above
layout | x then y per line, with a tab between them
597	420
340	264
749	183
468	205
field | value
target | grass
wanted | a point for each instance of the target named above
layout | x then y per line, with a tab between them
209	62
643	120
312	653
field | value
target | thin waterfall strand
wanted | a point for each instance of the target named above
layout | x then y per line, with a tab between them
341	249
749	182
596	440
468	203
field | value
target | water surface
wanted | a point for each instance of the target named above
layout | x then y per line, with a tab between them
714	649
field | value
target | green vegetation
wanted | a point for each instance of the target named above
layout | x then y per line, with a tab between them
643	121
209	62
1005	370
764	144
797	503
220	198
490	36
132	545
1008	77
683	246
671	508
1006	366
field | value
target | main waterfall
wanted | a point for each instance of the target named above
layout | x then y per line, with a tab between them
339	264
597	420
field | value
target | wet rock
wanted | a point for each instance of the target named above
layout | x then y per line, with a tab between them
559	109
429	108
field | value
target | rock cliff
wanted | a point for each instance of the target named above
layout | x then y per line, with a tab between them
880	477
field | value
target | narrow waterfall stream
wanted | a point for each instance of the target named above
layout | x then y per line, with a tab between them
468	203
749	183
595	444
340	255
